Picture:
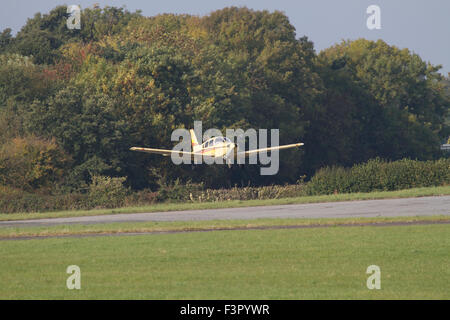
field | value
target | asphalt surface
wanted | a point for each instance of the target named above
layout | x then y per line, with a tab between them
423	206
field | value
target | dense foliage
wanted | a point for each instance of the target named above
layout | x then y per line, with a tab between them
379	175
107	192
72	102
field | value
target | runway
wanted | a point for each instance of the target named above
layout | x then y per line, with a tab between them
422	206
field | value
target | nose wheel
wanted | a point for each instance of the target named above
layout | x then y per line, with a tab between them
228	157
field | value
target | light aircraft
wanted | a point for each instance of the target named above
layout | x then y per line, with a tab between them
216	147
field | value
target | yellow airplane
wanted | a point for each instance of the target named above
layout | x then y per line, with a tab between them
217	147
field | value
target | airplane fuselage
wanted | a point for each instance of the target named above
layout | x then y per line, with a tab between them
217	147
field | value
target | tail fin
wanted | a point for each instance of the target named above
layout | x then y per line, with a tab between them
194	141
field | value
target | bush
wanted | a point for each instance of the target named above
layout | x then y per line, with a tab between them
32	163
107	192
177	191
249	193
142	197
103	192
16	200
379	175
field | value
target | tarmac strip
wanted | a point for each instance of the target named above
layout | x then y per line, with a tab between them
279	227
402	207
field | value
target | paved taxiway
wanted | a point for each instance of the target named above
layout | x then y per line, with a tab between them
423	206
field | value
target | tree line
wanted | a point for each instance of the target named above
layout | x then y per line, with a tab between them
72	102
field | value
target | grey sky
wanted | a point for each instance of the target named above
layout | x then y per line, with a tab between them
421	26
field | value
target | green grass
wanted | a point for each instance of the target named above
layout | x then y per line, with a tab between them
133	227
416	192
318	263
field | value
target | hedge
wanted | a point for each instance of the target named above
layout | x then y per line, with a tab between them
380	175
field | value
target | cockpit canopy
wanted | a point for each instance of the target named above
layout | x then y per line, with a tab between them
217	140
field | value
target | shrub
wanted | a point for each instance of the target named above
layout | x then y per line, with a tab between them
379	175
142	197
249	193
32	163
177	191
16	200
107	192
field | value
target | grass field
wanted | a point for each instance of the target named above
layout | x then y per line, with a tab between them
315	263
415	192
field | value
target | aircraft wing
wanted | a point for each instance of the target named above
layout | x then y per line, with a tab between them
286	146
163	152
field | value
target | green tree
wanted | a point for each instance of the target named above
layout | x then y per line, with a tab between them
408	90
44	34
32	163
